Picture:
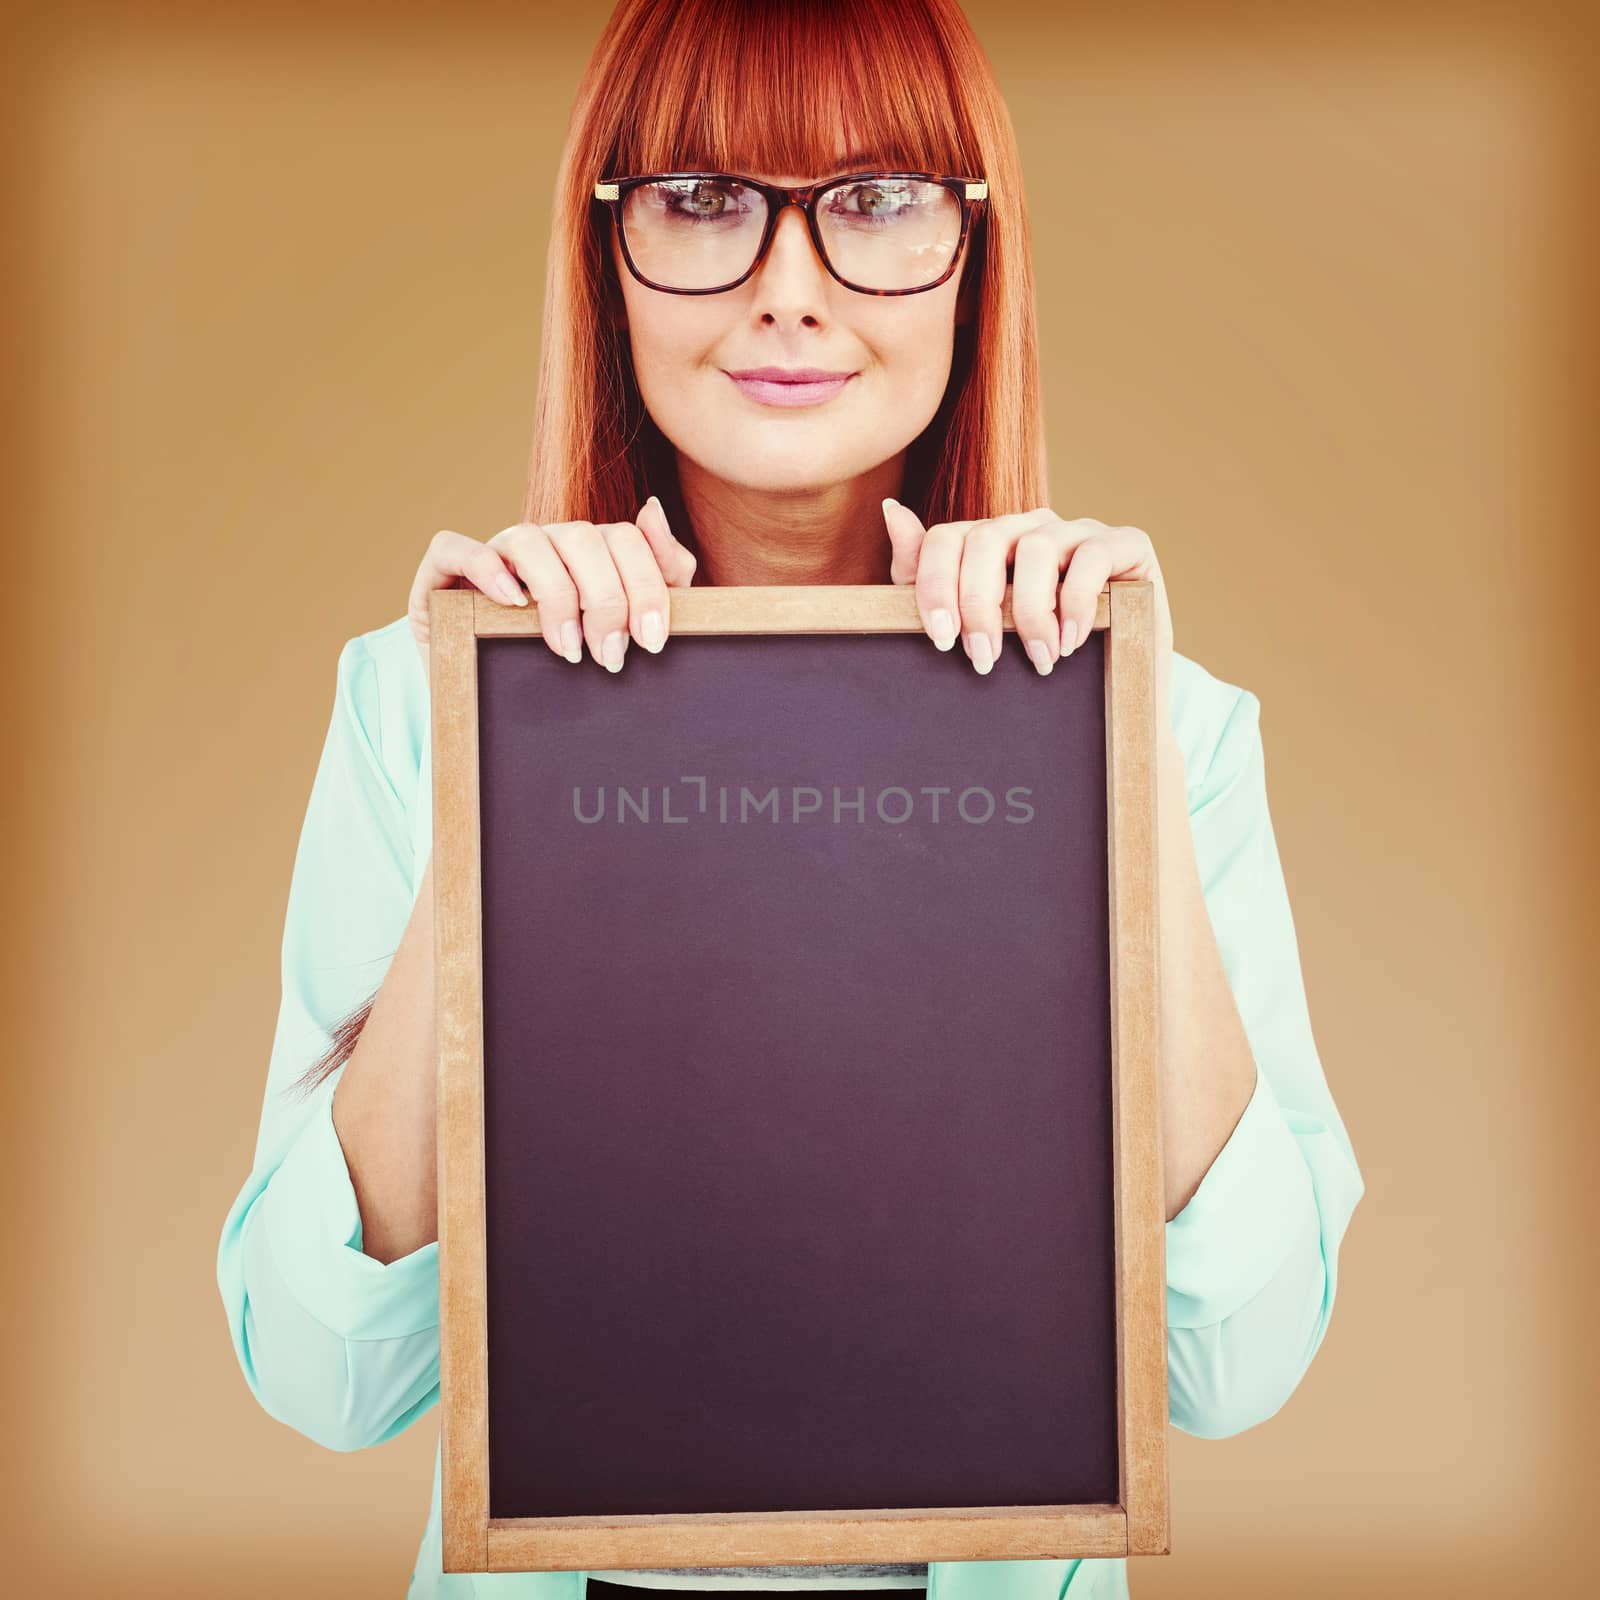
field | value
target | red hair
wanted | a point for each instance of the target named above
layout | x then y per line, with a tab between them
771	86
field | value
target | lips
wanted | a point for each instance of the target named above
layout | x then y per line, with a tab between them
789	386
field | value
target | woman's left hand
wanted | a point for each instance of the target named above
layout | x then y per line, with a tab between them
1060	567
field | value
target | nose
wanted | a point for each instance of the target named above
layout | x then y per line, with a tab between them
792	277
791	242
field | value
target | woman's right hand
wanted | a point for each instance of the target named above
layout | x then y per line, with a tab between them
594	582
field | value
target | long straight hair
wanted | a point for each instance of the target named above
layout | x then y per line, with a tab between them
769	86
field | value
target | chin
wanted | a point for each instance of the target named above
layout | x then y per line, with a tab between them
782	471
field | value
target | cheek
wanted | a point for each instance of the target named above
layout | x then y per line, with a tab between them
915	330
667	334
932	356
916	347
665	345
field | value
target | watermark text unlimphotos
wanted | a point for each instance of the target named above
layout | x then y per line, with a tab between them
696	799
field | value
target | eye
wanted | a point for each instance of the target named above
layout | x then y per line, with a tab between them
871	201
706	200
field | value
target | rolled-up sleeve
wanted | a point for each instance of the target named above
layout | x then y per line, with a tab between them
338	1345
1252	1259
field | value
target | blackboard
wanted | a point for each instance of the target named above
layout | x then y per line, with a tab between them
784	1130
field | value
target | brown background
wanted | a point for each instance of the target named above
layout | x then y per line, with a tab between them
1313	316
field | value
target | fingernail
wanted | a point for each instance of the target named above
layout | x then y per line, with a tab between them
572	641
509	591
1039	654
611	651
981	651
654	631
1069	637
887	503
944	629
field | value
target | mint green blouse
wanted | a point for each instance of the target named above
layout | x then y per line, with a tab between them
345	1349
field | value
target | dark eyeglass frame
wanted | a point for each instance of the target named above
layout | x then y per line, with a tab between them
971	192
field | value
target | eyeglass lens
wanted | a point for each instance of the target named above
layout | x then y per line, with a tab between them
879	233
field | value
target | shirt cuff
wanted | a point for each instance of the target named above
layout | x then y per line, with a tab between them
313	1228
1240	1225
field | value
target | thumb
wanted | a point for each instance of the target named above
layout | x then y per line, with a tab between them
905	535
677	561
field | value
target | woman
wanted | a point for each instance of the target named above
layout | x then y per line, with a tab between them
735	389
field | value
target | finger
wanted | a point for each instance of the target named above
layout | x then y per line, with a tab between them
527	548
985	556
676	560
1095	559
938	581
602	595
648	605
1035	573
452	560
981	588
906	533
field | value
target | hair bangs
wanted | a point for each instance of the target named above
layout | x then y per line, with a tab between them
793	88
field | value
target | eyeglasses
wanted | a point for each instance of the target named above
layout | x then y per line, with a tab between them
876	232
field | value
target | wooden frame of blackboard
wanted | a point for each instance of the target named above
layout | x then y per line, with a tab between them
472	1540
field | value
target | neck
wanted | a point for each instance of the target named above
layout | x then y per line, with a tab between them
834	534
